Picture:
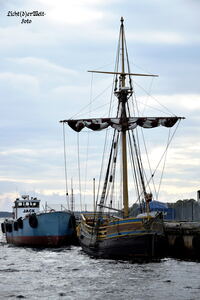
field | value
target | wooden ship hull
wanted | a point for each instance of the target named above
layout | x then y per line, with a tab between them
131	238
123	237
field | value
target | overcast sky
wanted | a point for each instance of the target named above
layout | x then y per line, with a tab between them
44	79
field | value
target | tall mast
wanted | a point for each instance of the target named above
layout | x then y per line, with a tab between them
123	91
123	99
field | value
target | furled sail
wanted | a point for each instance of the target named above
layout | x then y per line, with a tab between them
130	123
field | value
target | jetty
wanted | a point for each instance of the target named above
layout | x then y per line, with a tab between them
183	239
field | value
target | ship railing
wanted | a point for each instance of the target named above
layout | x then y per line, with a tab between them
54	207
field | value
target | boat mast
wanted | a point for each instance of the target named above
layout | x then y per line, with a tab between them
123	93
123	99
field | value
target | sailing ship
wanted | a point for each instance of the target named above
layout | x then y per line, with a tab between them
120	235
31	227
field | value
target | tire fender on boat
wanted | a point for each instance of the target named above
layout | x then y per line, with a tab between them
20	223
72	222
8	227
16	226
3	227
33	221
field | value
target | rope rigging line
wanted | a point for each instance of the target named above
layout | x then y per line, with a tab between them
139	167
114	171
86	166
65	167
148	94
113	167
152	177
147	105
149	165
107	172
140	155
166	148
171	113
98	107
116	66
102	160
88	140
119	194
139	151
79	171
141	171
80	111
134	169
172	136
165	158
128	65
102	199
135	104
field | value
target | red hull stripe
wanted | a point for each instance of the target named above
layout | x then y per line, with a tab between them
38	240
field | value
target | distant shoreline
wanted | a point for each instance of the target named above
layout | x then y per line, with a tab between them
4	214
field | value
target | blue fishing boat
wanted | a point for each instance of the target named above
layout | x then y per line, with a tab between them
30	227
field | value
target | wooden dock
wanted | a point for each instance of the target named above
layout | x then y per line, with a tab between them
183	239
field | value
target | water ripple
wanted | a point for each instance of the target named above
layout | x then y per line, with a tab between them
68	273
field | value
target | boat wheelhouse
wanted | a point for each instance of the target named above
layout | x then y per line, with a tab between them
25	206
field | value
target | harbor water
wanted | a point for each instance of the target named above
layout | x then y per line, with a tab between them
68	273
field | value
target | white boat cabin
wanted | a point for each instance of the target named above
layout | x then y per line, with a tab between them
25	206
